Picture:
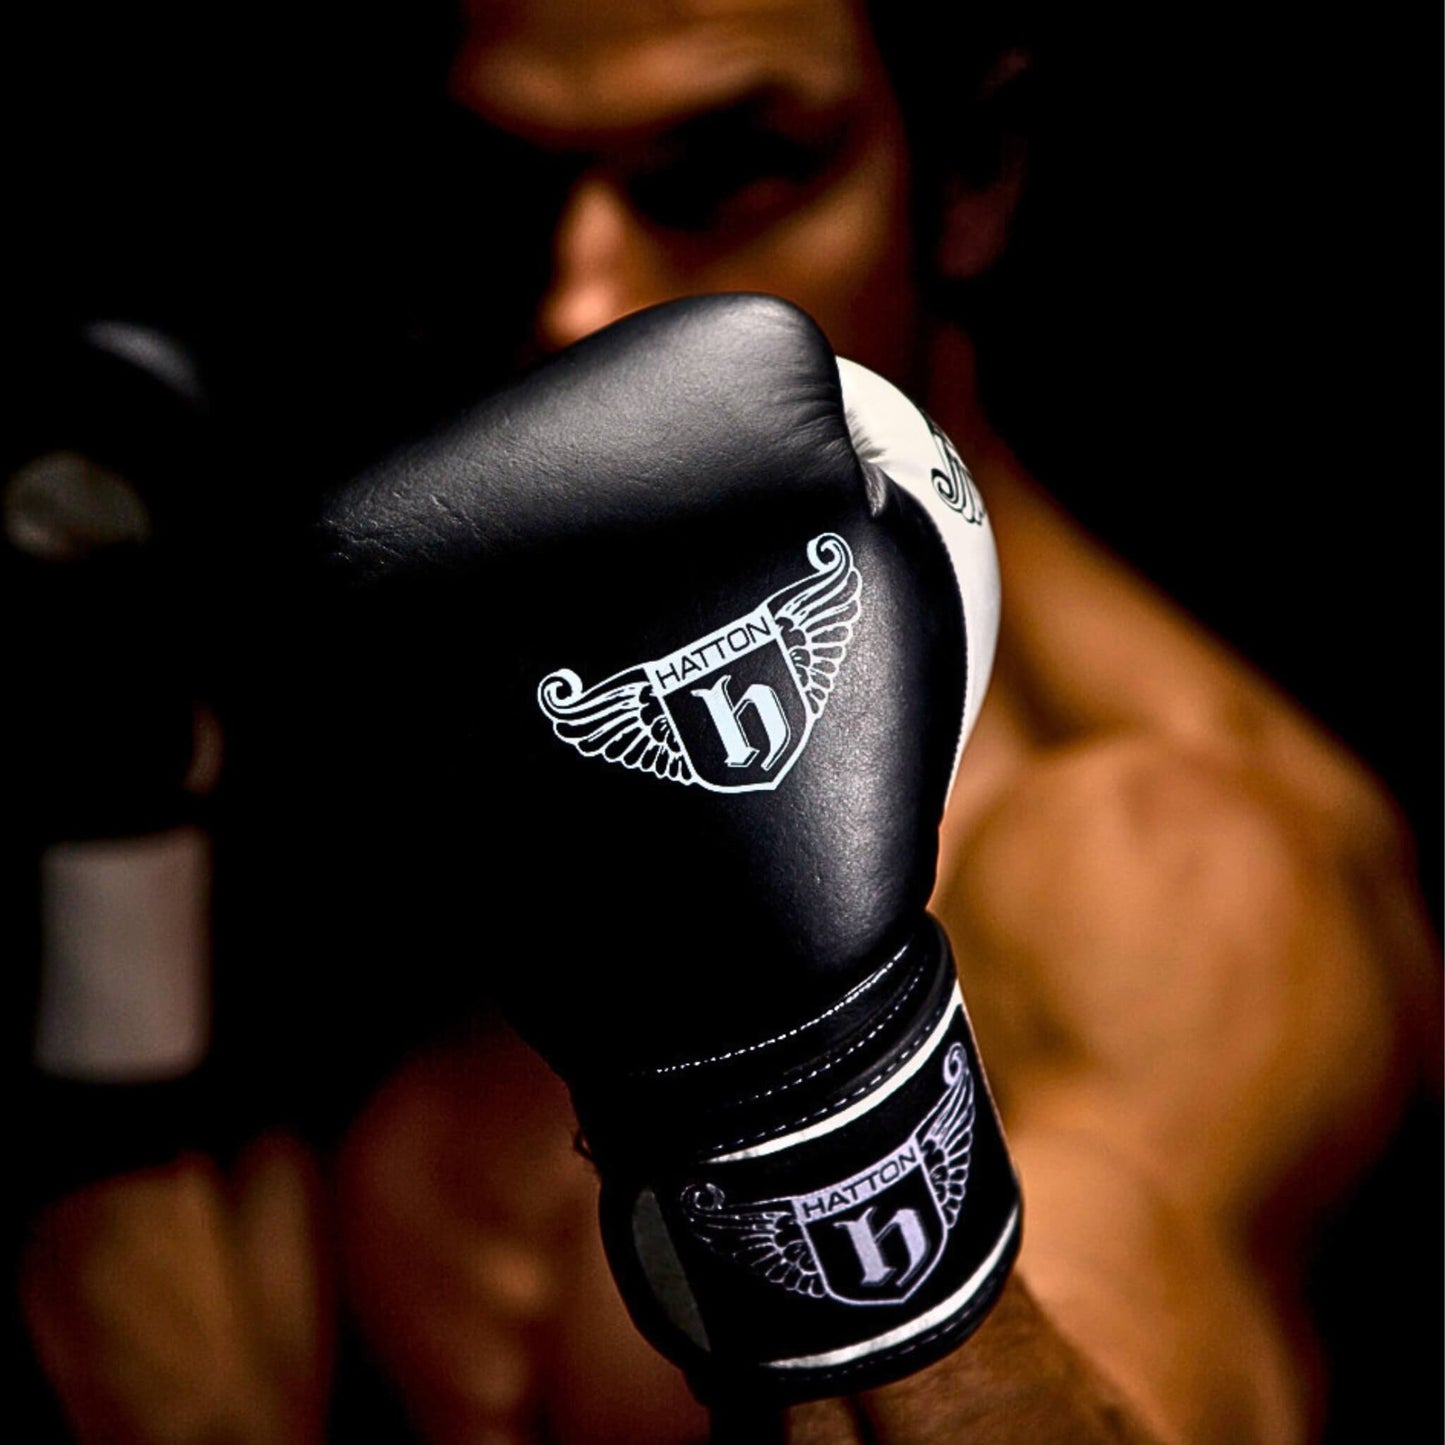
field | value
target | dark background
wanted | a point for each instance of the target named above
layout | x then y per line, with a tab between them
1220	347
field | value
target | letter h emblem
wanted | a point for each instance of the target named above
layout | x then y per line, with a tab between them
727	716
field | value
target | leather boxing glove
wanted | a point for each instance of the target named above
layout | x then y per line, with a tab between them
659	663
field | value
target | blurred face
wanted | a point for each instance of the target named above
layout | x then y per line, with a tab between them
711	145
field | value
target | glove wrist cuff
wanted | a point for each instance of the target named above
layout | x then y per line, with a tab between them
848	1240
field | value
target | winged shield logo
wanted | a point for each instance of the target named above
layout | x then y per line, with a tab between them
872	1238
733	710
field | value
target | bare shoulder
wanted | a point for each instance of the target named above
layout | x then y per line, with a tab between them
1091	649
1164	867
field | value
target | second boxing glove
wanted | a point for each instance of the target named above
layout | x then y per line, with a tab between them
108	502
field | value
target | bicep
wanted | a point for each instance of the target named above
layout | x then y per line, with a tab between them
1149	934
1184	994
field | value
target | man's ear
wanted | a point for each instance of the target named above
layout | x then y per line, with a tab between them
985	181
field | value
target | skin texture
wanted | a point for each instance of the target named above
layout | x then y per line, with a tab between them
181	1305
614	89
1182	916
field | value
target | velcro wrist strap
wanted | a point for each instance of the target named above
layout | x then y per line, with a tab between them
840	1254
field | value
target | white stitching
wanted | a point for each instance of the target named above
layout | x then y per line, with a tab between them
833	1106
856	992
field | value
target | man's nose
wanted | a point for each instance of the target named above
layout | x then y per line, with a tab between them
605	264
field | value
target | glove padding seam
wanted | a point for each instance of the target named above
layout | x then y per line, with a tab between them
863	1089
853	994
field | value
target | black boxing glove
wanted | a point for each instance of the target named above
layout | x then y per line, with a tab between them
106	503
659	664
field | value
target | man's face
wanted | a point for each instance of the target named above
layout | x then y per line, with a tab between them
713	145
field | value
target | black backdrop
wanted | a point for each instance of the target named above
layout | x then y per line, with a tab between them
1217	340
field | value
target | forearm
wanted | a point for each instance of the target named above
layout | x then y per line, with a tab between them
1017	1379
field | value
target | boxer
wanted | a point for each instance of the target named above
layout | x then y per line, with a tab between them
1176	904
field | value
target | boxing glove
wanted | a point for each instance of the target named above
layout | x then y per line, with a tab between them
651	673
105	500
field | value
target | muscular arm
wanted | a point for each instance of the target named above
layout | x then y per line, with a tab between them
1182	1007
1135	1088
1197	969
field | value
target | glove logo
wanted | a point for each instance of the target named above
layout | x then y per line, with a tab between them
954	482
731	711
870	1239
